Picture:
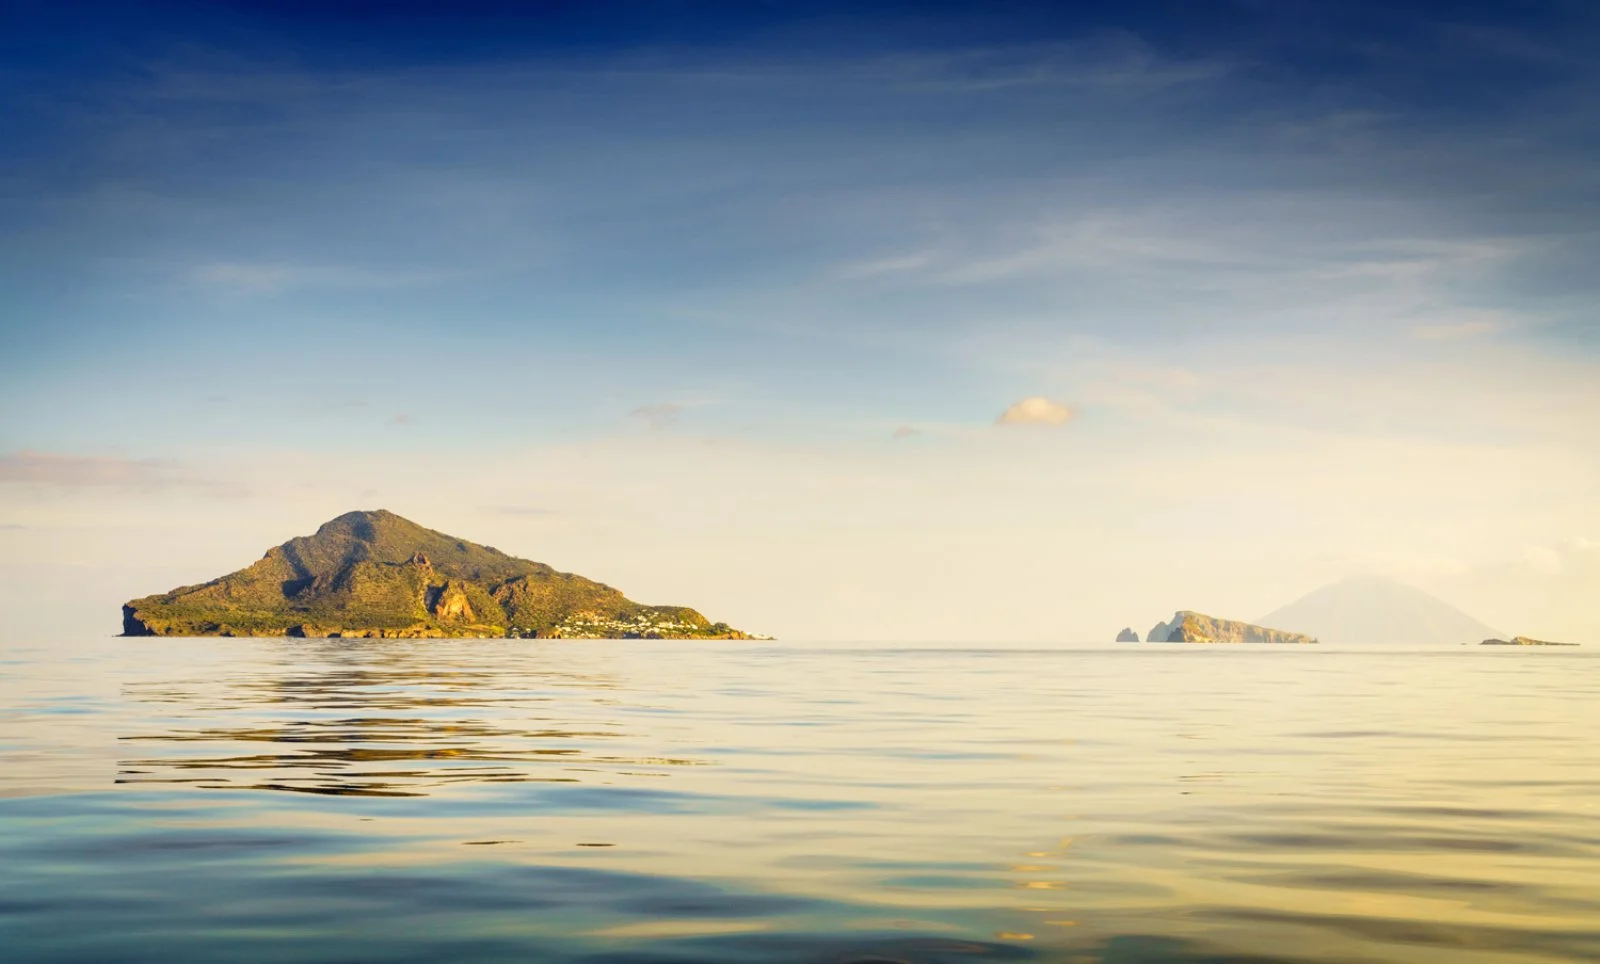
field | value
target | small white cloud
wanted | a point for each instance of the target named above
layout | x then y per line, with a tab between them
658	416
1035	411
904	432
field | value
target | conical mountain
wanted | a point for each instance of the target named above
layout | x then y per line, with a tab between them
377	574
1372	609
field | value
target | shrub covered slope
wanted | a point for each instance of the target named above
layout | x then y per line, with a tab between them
377	574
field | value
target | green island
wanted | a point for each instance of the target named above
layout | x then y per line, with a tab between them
377	575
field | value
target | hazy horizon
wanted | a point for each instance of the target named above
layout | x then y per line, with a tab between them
833	321
1369	609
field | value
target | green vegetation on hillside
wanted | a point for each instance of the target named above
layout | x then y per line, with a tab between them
375	574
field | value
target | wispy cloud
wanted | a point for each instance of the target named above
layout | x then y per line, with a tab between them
252	279
27	467
1454	330
1109	63
522	510
1045	247
659	416
889	265
262	278
1557	559
1242	242
46	468
1543	559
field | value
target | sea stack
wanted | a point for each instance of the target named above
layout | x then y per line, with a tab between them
1127	635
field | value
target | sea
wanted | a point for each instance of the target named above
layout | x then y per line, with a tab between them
662	802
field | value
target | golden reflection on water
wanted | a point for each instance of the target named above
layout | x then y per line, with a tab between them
780	804
439	727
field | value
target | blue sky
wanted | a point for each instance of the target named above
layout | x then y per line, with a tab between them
263	262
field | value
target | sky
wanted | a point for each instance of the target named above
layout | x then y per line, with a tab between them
837	321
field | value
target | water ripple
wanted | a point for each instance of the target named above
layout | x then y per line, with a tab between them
277	800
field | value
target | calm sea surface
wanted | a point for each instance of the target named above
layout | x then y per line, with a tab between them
555	801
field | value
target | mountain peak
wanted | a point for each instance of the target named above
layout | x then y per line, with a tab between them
374	573
367	521
1370	608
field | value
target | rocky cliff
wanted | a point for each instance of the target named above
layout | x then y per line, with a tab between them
1193	627
1128	636
374	574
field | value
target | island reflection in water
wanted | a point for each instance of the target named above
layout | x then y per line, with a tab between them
422	728
676	802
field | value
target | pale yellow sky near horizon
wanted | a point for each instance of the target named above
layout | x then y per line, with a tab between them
958	533
1231	486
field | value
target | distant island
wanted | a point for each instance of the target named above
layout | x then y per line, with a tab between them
1522	641
1356	610
1192	627
1371	610
377	575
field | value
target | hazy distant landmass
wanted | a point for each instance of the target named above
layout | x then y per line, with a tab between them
1372	609
1127	635
1522	641
1192	627
375	574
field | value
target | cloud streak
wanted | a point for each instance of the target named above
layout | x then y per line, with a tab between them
262	279
659	416
45	468
85	472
